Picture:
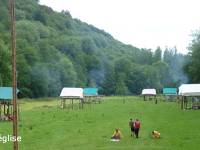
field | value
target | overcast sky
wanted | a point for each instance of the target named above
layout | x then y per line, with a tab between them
141	23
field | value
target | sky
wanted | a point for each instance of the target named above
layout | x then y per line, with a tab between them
141	23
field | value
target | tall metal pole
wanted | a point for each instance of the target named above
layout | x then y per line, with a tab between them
14	80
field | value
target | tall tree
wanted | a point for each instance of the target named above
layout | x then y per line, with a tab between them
192	68
157	56
5	65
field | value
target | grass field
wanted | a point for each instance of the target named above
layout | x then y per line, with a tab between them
44	126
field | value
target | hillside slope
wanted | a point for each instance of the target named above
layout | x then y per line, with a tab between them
55	50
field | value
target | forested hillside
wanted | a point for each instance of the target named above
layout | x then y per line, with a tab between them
54	50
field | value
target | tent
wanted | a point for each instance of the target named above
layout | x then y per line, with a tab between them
6	93
170	93
91	95
90	91
71	94
6	105
149	93
187	91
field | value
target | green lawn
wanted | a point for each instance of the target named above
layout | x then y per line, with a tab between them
44	126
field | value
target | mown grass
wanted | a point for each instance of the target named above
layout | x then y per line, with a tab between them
44	126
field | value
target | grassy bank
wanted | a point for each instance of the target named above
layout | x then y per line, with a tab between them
44	126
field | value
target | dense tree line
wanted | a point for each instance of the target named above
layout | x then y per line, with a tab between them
54	50
192	65
152	71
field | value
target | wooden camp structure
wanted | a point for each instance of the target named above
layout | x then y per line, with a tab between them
190	96
170	93
91	95
71	94
6	105
149	93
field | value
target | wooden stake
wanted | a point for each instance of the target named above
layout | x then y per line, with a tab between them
14	80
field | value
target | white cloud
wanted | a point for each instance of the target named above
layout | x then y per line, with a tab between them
142	23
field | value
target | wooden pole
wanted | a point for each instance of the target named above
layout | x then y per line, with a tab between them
79	104
82	103
14	79
8	109
181	102
72	103
186	100
0	110
61	103
156	99
4	108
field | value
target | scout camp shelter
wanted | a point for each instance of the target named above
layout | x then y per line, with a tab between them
71	94
91	95
190	96
170	93
90	91
6	106
149	93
